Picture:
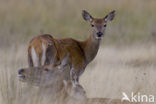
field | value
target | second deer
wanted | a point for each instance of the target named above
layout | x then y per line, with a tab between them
53	80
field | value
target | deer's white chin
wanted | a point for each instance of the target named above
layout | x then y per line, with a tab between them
99	38
21	76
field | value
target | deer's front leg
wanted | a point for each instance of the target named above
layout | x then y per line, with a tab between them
74	76
30	62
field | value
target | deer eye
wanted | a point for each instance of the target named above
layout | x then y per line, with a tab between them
104	25
92	25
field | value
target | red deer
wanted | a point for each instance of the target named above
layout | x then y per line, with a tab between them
54	79
45	49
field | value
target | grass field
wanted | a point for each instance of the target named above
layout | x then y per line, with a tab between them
126	61
115	70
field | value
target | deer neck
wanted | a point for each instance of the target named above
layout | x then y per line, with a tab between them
91	47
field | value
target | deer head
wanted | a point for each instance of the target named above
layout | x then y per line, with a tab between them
98	24
55	77
45	75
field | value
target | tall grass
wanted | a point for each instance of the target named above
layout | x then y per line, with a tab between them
115	70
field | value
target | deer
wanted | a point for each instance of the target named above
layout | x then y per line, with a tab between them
45	49
54	79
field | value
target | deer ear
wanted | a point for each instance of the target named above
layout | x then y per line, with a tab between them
65	60
86	16
110	16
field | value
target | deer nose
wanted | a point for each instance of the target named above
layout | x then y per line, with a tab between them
20	71
99	34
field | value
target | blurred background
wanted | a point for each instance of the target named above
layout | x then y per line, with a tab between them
20	20
126	60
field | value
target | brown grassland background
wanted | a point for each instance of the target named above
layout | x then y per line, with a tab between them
126	61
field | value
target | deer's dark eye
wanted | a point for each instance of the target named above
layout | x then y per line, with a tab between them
104	25
92	25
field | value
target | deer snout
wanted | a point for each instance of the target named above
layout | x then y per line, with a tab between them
99	34
20	71
20	74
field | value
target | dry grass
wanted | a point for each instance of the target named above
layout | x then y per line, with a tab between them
117	67
130	69
115	70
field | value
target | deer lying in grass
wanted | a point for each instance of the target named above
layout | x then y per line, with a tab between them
45	49
53	78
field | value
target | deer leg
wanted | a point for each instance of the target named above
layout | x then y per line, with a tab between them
30	62
74	77
49	55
